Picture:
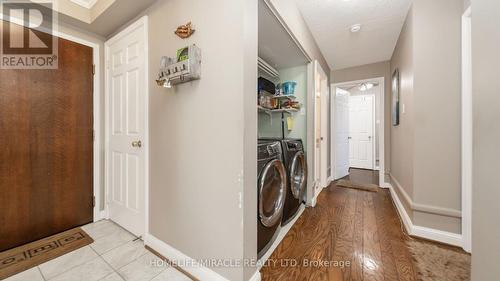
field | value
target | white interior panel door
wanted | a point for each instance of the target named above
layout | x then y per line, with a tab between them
126	119
361	131
341	133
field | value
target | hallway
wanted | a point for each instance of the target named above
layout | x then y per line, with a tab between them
357	227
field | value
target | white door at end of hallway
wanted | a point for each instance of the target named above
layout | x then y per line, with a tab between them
126	110
361	131
341	119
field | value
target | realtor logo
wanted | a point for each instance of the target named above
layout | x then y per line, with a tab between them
27	30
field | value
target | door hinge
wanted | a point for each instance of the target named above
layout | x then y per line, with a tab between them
93	69
93	135
93	201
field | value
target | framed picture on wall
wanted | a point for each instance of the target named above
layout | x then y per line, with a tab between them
395	98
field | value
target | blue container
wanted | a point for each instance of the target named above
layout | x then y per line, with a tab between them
289	87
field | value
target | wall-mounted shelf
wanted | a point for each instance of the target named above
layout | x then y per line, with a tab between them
174	71
280	110
280	97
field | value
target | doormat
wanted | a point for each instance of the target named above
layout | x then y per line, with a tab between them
439	263
35	253
355	185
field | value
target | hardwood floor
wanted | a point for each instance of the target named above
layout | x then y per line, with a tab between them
356	235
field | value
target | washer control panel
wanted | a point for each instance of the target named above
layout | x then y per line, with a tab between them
269	150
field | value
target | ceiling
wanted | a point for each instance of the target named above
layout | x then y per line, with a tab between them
330	21
110	19
85	3
276	46
354	86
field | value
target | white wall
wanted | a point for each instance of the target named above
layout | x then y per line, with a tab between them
425	147
437	88
203	133
402	136
467	3
250	35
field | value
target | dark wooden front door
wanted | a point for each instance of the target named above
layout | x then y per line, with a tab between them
46	146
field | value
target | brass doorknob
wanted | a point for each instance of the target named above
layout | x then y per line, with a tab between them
137	143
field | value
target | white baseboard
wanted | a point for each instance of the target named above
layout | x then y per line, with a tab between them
313	202
185	262
438	235
104	214
329	181
424	232
256	276
315	197
101	215
401	210
385	185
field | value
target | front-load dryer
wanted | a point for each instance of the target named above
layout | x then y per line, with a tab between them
271	192
296	167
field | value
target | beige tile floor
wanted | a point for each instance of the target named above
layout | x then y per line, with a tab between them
114	256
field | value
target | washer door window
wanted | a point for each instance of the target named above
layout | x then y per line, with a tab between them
272	187
298	175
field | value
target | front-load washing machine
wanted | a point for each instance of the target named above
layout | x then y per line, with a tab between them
296	169
271	192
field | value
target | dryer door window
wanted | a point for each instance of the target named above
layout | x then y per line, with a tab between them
272	187
298	175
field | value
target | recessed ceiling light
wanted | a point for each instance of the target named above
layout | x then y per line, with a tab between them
355	28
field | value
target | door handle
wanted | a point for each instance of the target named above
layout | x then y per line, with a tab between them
369	137
136	143
349	138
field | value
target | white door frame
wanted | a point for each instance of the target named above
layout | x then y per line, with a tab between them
324	123
313	187
310	200
381	135
142	21
97	214
467	131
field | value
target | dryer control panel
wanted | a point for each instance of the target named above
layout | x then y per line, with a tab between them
294	146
